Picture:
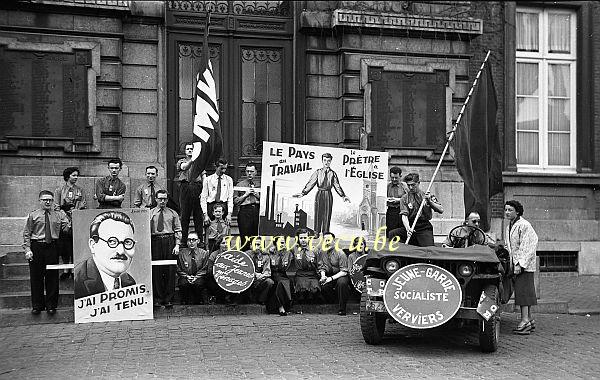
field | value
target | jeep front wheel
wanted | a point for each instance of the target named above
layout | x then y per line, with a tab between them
489	331
372	325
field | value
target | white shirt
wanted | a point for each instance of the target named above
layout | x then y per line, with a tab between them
209	191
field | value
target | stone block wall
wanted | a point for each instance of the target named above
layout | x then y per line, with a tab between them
128	101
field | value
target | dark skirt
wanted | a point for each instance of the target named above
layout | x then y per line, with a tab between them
525	289
306	281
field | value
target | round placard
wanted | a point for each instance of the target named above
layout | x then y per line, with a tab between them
422	296
234	271
356	275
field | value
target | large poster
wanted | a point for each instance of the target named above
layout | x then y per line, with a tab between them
322	189
113	265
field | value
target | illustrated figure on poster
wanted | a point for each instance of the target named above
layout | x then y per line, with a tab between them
325	179
112	245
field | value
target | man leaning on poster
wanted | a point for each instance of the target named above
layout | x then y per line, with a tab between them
112	246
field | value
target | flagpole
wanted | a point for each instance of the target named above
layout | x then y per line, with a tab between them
450	137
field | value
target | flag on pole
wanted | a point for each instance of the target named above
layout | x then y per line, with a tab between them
478	155
207	138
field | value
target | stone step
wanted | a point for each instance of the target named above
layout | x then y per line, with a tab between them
11	229
21	300
9	248
14	269
544	306
22	284
14	257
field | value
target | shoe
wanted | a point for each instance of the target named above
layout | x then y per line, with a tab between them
532	322
523	329
64	276
169	305
283	313
342	312
35	311
52	311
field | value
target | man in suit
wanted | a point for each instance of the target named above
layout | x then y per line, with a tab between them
113	247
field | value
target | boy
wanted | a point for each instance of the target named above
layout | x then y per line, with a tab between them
217	229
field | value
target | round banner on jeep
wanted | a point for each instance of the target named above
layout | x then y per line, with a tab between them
356	275
422	296
234	271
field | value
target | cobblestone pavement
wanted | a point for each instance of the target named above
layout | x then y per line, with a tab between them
297	346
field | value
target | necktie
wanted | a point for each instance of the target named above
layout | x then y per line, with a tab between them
152	196
117	284
161	221
218	195
194	267
47	230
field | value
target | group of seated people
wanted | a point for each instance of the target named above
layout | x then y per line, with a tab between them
303	274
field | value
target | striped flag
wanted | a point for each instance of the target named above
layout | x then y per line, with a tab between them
207	138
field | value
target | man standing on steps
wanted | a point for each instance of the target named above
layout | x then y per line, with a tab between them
189	195
110	190
145	194
40	238
248	200
216	188
165	231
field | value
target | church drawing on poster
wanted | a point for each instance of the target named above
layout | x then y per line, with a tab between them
337	190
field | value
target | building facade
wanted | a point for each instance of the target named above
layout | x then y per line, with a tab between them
89	80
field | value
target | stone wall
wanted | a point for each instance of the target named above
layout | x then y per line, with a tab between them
127	104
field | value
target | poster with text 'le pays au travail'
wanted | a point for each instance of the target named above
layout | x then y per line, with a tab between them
113	265
322	189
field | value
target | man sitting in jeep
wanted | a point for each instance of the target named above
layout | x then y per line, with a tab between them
468	234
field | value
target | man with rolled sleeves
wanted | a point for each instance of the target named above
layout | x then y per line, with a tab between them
145	194
40	236
110	190
395	190
422	235
248	201
189	195
217	188
333	266
165	231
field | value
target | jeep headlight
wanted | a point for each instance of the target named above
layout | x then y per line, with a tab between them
391	266
465	270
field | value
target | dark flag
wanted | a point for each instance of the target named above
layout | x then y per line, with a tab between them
207	140
477	148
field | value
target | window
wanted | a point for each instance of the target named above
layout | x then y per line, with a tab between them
545	90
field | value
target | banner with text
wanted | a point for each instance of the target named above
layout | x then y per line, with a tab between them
113	265
322	189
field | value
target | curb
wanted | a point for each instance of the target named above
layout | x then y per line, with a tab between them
584	312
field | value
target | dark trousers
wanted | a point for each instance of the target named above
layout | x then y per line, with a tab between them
195	292
392	219
65	247
189	203
43	254
337	289
163	276
261	289
247	223
422	235
323	207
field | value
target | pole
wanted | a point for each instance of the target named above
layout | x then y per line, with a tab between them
450	137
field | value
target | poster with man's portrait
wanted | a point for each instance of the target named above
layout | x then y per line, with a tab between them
113	265
322	189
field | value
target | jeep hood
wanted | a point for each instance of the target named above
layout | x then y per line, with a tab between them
479	253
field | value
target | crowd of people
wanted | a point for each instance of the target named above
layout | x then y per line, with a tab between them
283	277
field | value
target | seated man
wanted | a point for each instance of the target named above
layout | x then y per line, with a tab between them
192	269
333	266
217	294
261	287
467	235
